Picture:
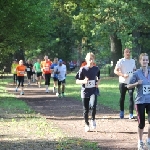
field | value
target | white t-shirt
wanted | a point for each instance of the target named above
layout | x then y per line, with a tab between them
62	69
126	66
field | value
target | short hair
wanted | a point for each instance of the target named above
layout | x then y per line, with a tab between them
143	54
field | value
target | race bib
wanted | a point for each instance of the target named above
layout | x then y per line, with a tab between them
21	72
28	69
46	68
146	89
90	84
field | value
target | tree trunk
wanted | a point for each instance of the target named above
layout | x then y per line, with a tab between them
116	51
137	48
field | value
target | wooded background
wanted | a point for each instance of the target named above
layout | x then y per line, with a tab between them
68	29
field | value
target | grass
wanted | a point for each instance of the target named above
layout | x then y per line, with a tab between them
21	128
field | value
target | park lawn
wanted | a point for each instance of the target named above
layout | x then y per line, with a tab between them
21	128
109	91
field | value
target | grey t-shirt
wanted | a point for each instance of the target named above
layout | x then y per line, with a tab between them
143	90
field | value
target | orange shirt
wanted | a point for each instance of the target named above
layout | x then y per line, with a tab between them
20	70
45	65
84	63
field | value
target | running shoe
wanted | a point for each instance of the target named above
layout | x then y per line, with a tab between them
21	93
141	146
131	116
148	145
121	114
93	124
87	128
16	89
47	91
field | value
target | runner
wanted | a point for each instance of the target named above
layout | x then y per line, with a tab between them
45	65
61	70
54	75
71	66
20	76
37	68
33	75
89	77
141	80
29	68
13	71
124	69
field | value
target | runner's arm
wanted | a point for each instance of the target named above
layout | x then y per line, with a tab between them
118	72
134	81
130	86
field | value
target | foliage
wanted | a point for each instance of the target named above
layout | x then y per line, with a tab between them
56	28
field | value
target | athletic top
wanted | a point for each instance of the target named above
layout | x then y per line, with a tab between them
62	69
143	90
54	74
126	66
37	67
13	68
45	65
29	67
93	74
20	70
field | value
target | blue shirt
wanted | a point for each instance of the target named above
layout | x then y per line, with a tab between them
92	74
71	65
141	97
52	67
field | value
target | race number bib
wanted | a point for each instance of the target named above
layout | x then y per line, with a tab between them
46	68
21	72
90	84
28	69
146	89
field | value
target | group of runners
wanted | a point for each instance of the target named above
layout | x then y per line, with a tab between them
89	77
40	69
129	78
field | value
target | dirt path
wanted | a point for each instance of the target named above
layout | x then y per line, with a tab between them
111	133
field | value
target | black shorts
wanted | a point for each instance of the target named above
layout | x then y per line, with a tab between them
20	78
29	74
63	82
39	74
55	79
